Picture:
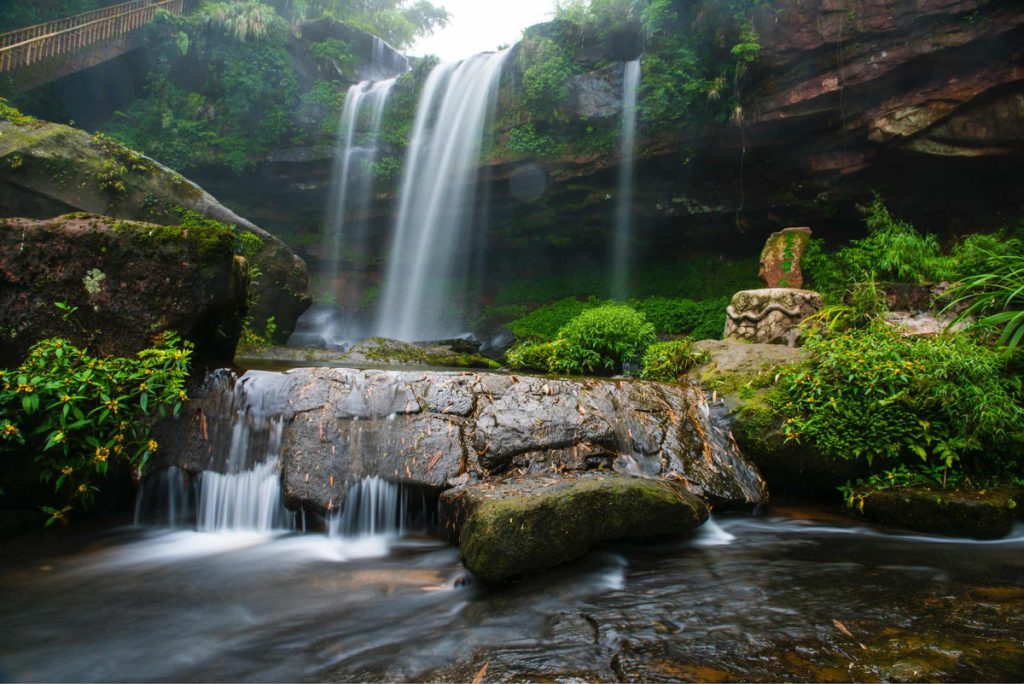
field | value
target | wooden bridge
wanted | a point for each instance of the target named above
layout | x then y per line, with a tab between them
37	54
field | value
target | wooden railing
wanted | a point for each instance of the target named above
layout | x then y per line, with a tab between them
33	44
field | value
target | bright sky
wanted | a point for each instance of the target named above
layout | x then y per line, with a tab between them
481	25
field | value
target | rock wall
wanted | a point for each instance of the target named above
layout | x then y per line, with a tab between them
439	430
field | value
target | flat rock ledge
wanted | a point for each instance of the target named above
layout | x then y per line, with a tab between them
528	523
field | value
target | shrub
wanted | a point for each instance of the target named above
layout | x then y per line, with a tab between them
944	401
703	320
669	361
544	322
995	297
601	340
531	355
76	413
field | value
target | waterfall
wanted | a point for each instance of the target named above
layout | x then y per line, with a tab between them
345	238
621	244
241	491
433	232
372	506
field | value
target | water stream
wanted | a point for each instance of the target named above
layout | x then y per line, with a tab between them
795	595
434	237
621	248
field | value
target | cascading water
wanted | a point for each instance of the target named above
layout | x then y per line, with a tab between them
620	249
345	234
241	491
433	233
372	506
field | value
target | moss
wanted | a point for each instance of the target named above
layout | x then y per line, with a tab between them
209	244
981	514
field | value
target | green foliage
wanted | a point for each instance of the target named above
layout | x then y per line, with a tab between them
13	115
16	15
337	52
531	355
601	340
240	107
544	322
548	67
252	338
703	320
995	296
669	361
399	22
75	413
868	394
386	169
242	19
525	141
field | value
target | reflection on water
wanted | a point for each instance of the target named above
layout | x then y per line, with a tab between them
793	596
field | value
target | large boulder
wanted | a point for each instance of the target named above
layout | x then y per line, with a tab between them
981	514
125	280
438	430
528	523
47	170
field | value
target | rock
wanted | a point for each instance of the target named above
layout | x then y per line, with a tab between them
979	514
430	428
48	169
529	523
741	375
128	281
596	94
771	315
781	257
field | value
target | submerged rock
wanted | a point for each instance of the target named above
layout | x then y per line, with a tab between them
528	523
126	281
980	514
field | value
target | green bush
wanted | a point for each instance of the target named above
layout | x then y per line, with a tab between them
703	320
531	355
75	413
544	322
601	340
995	297
945	402
669	361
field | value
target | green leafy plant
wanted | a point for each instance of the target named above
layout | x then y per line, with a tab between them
669	361
531	355
242	19
876	394
75	413
995	298
544	322
601	340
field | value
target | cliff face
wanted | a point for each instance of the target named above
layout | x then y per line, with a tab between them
921	101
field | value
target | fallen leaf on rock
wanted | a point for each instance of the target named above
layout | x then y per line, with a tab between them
481	674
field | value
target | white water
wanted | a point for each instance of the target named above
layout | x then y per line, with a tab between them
433	237
621	249
344	238
373	506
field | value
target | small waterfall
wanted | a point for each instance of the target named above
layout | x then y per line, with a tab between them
344	239
433	238
621	256
372	506
241	489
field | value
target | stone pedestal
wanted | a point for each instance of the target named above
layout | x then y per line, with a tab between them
771	315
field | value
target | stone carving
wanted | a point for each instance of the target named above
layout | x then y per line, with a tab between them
770	315
781	256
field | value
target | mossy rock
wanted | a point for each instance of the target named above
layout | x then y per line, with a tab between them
381	350
48	169
529	523
978	514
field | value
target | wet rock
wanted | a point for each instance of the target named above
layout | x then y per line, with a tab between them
781	257
770	315
529	523
128	281
48	169
979	514
436	430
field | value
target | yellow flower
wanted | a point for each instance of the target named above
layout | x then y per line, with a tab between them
82	488
151	445
67	470
27	389
10	429
101	454
66	398
182	395
119	438
143	388
112	405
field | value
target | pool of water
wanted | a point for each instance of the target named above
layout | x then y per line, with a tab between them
796	594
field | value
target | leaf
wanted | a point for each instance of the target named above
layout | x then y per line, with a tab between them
479	677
